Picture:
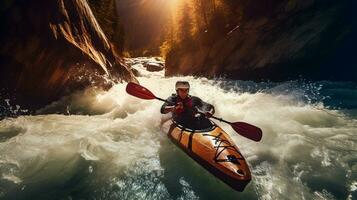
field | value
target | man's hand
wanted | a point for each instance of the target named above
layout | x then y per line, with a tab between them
208	114
179	108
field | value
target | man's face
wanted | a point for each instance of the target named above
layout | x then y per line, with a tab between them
182	92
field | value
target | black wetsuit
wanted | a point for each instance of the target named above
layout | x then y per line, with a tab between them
187	117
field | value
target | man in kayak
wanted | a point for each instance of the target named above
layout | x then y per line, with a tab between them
184	108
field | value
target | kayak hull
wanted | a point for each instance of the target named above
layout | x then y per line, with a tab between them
214	150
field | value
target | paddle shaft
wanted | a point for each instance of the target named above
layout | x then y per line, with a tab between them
219	119
160	99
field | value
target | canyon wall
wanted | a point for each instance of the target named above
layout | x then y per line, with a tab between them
50	48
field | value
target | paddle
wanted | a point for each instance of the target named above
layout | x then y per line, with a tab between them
244	129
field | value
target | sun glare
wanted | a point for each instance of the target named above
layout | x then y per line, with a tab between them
174	3
170	4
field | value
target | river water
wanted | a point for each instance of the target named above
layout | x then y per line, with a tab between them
108	145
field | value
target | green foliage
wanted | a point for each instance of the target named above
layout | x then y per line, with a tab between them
189	25
198	23
165	48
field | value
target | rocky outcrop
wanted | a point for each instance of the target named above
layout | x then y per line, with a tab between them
49	48
277	40
153	67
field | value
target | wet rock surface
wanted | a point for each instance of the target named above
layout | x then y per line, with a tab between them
153	67
50	48
146	66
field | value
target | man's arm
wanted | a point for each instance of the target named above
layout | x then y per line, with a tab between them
168	106
167	109
207	108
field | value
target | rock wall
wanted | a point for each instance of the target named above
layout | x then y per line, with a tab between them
50	48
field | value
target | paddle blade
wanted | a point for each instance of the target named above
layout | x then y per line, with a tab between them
139	91
248	130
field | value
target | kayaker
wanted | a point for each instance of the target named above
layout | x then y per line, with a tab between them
184	107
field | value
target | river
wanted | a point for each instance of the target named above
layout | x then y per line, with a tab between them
108	145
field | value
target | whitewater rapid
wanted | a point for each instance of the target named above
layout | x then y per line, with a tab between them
108	145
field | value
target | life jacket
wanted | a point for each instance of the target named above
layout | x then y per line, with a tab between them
187	104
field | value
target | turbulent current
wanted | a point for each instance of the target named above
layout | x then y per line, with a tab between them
108	145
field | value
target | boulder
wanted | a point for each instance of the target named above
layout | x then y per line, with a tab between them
154	66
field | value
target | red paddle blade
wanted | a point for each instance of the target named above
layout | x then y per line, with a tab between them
139	91
248	130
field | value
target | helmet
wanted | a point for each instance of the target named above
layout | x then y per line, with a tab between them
182	84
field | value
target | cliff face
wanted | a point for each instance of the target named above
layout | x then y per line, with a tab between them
49	48
277	40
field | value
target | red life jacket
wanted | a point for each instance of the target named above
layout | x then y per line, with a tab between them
187	104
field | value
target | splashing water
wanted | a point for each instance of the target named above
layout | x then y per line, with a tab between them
108	145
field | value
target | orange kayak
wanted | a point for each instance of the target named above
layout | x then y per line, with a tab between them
213	149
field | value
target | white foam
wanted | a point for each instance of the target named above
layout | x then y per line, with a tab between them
301	142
